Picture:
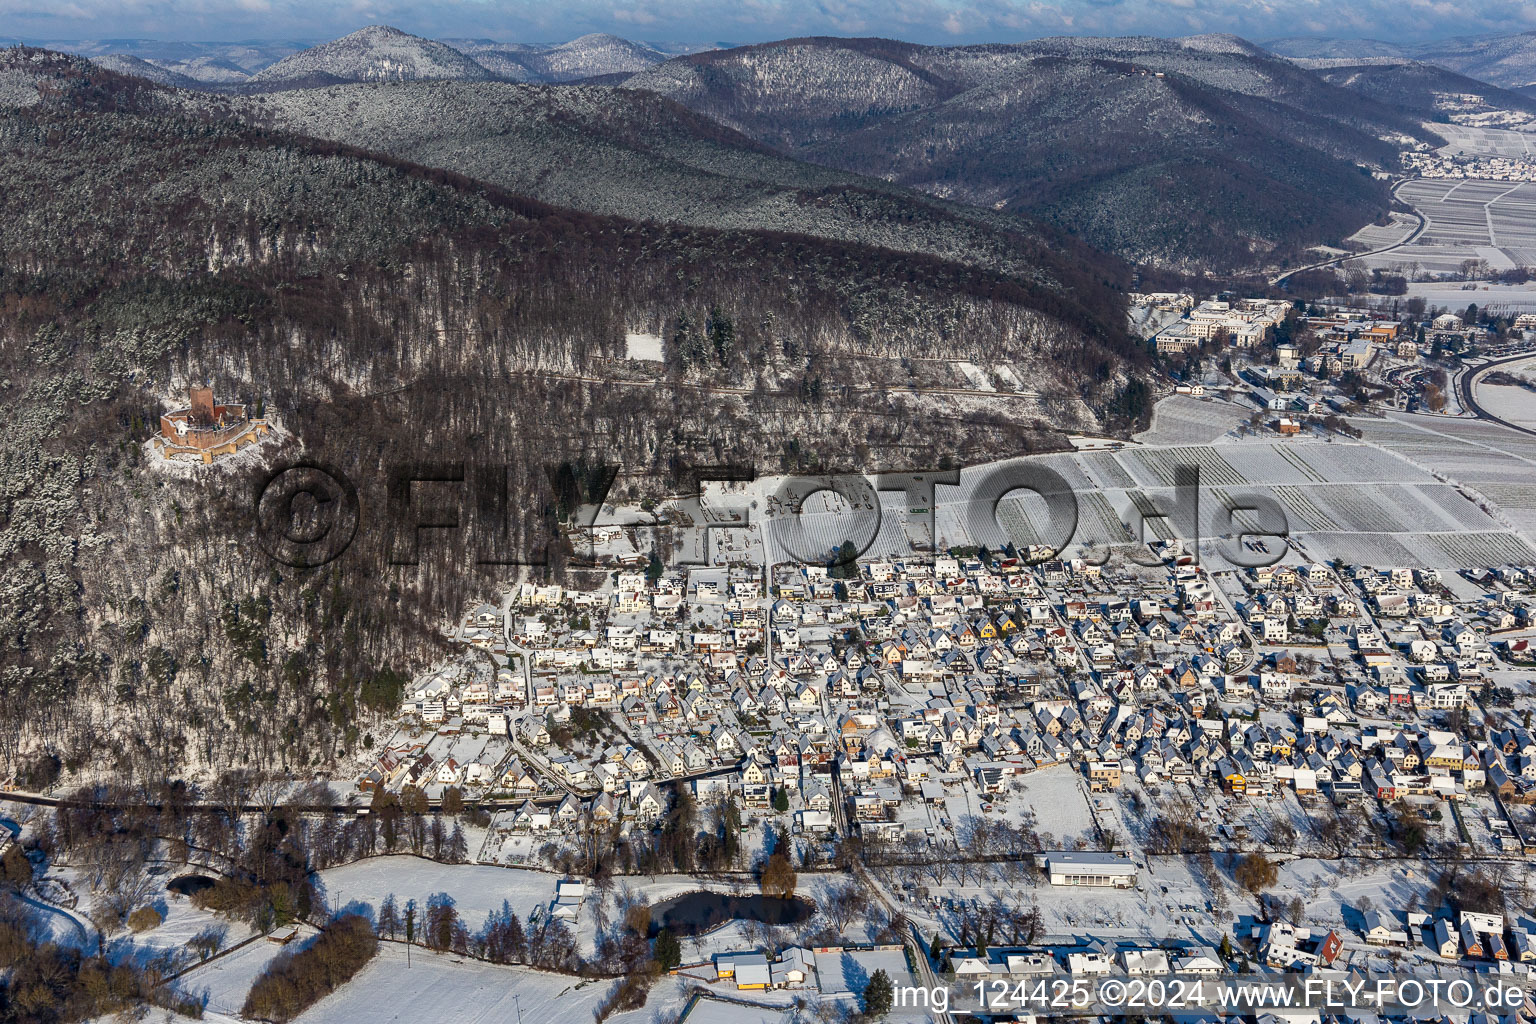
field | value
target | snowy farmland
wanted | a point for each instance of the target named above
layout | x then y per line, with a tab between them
1466	219
1415	490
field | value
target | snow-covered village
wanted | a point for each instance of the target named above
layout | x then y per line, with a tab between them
959	511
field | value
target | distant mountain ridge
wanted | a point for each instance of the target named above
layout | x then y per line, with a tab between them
374	53
1429	90
586	57
1198	152
1508	61
635	154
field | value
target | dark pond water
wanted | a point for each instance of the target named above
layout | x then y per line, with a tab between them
186	885
698	912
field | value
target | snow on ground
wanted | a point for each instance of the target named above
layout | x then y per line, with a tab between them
975	376
1179	419
716	1011
66	927
224	982
850	970
1058	797
1507	401
642	346
442	988
182	922
476	889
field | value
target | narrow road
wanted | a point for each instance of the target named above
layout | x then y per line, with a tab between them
927	978
1408	239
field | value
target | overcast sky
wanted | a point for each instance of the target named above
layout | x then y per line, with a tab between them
699	21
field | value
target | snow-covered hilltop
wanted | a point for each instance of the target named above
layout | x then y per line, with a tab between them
586	57
376	53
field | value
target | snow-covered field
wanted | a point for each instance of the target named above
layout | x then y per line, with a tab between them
1183	420
440	988
641	346
1509	402
223	983
476	889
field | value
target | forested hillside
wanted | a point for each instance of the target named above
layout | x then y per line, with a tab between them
1504	60
638	155
1196	153
383	313
1430	92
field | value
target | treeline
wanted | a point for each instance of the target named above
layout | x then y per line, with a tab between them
546	942
295	981
265	859
46	982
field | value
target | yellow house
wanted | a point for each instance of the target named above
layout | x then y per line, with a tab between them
1236	781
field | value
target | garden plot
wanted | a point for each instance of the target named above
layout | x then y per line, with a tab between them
849	970
843	976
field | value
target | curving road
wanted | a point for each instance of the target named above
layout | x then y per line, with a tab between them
1408	239
1466	385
